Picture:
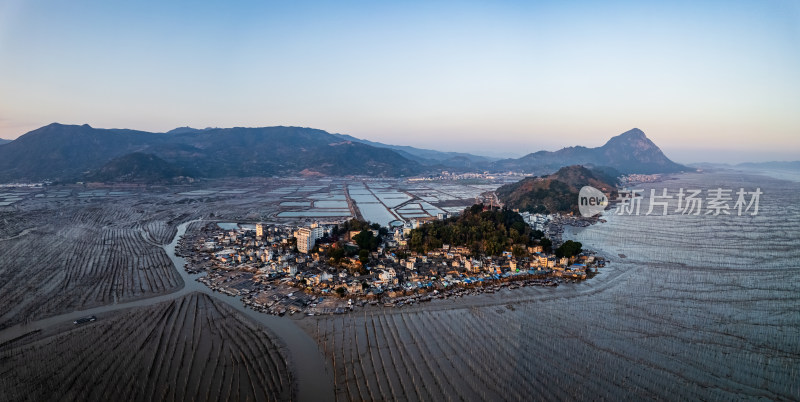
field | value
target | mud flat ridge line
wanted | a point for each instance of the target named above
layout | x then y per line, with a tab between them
306	362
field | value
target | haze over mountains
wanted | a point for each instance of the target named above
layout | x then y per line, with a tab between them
629	152
80	152
428	156
65	152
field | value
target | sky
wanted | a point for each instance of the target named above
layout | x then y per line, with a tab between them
706	81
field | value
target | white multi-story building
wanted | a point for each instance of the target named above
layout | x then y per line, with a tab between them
306	237
259	230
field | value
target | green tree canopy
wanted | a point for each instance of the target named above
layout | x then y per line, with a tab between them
569	248
366	240
490	232
363	256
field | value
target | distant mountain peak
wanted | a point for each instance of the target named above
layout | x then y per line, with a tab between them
630	135
57	124
182	130
634	139
634	132
61	126
629	152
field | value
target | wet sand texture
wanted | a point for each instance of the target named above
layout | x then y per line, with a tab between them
192	348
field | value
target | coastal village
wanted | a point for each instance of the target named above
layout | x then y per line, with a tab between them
282	269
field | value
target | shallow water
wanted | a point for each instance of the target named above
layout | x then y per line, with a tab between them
715	299
702	307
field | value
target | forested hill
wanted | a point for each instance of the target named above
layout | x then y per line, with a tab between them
557	192
629	152
72	152
484	232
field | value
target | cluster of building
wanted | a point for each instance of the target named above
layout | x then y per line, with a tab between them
25	185
296	259
639	178
537	221
447	175
450	266
269	250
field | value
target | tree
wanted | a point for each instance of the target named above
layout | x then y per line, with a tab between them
354	224
336	254
416	241
547	245
366	240
340	291
363	256
476	209
568	249
493	247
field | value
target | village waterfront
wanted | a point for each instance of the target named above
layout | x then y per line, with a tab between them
686	307
262	264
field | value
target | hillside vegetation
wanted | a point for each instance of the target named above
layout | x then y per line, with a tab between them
557	192
69	152
486	232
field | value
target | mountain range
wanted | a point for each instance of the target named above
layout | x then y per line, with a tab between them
629	152
430	157
81	152
69	152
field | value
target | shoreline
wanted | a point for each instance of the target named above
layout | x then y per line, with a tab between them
302	301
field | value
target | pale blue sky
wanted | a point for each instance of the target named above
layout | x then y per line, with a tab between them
489	77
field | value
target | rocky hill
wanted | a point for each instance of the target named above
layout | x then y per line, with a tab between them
557	192
629	152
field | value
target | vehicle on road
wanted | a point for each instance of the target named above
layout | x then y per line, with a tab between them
85	320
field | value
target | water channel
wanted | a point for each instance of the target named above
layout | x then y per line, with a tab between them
309	366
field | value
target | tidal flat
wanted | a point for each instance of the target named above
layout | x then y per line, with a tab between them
700	307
